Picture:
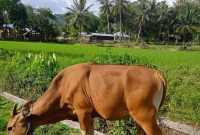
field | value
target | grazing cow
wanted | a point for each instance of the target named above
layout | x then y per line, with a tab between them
87	90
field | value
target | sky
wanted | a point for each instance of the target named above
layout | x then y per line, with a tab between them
59	6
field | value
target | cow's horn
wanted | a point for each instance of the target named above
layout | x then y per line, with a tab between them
14	111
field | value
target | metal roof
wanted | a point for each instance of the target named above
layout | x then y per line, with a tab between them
96	34
101	34
119	34
8	25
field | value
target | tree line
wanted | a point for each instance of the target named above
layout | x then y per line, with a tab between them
142	20
39	20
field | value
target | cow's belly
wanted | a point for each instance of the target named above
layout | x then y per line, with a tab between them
113	114
111	109
107	93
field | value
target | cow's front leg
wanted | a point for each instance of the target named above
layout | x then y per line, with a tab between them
86	123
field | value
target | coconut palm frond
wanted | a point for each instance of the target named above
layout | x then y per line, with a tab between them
79	11
71	9
87	8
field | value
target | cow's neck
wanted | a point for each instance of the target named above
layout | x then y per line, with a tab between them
46	109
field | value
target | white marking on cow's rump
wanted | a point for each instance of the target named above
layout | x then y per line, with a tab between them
158	97
83	132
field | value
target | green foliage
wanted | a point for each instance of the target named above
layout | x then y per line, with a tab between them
125	59
79	11
42	22
183	96
28	74
56	129
188	19
122	127
141	20
5	108
13	12
4	54
92	23
152	20
106	9
118	127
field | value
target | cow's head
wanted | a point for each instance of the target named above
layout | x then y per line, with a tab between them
19	123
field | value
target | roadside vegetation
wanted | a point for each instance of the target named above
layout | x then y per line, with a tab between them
27	70
5	108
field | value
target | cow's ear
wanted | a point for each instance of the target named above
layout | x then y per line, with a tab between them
28	104
14	111
26	109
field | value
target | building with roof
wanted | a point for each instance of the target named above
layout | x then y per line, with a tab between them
1	31
97	38
9	32
31	34
121	36
102	38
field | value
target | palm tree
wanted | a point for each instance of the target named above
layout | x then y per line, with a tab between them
119	8
188	19
79	11
142	15
106	8
163	19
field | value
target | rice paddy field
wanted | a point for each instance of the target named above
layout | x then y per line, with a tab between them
181	68
76	53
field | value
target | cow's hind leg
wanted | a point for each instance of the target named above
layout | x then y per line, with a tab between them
140	131
146	118
86	123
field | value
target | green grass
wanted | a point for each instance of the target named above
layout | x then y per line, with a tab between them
56	129
182	69
5	107
84	53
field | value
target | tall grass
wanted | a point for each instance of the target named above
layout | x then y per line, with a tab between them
5	108
27	75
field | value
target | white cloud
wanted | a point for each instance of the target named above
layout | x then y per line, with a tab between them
57	6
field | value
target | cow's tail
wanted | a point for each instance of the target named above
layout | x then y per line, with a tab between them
164	84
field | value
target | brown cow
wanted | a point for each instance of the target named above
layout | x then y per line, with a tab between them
83	91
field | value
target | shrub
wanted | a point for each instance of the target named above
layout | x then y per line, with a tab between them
4	54
125	59
118	127
56	129
5	108
28	75
183	95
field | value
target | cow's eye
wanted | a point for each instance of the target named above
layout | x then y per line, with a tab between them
9	128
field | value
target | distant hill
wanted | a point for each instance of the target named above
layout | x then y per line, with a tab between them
60	19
